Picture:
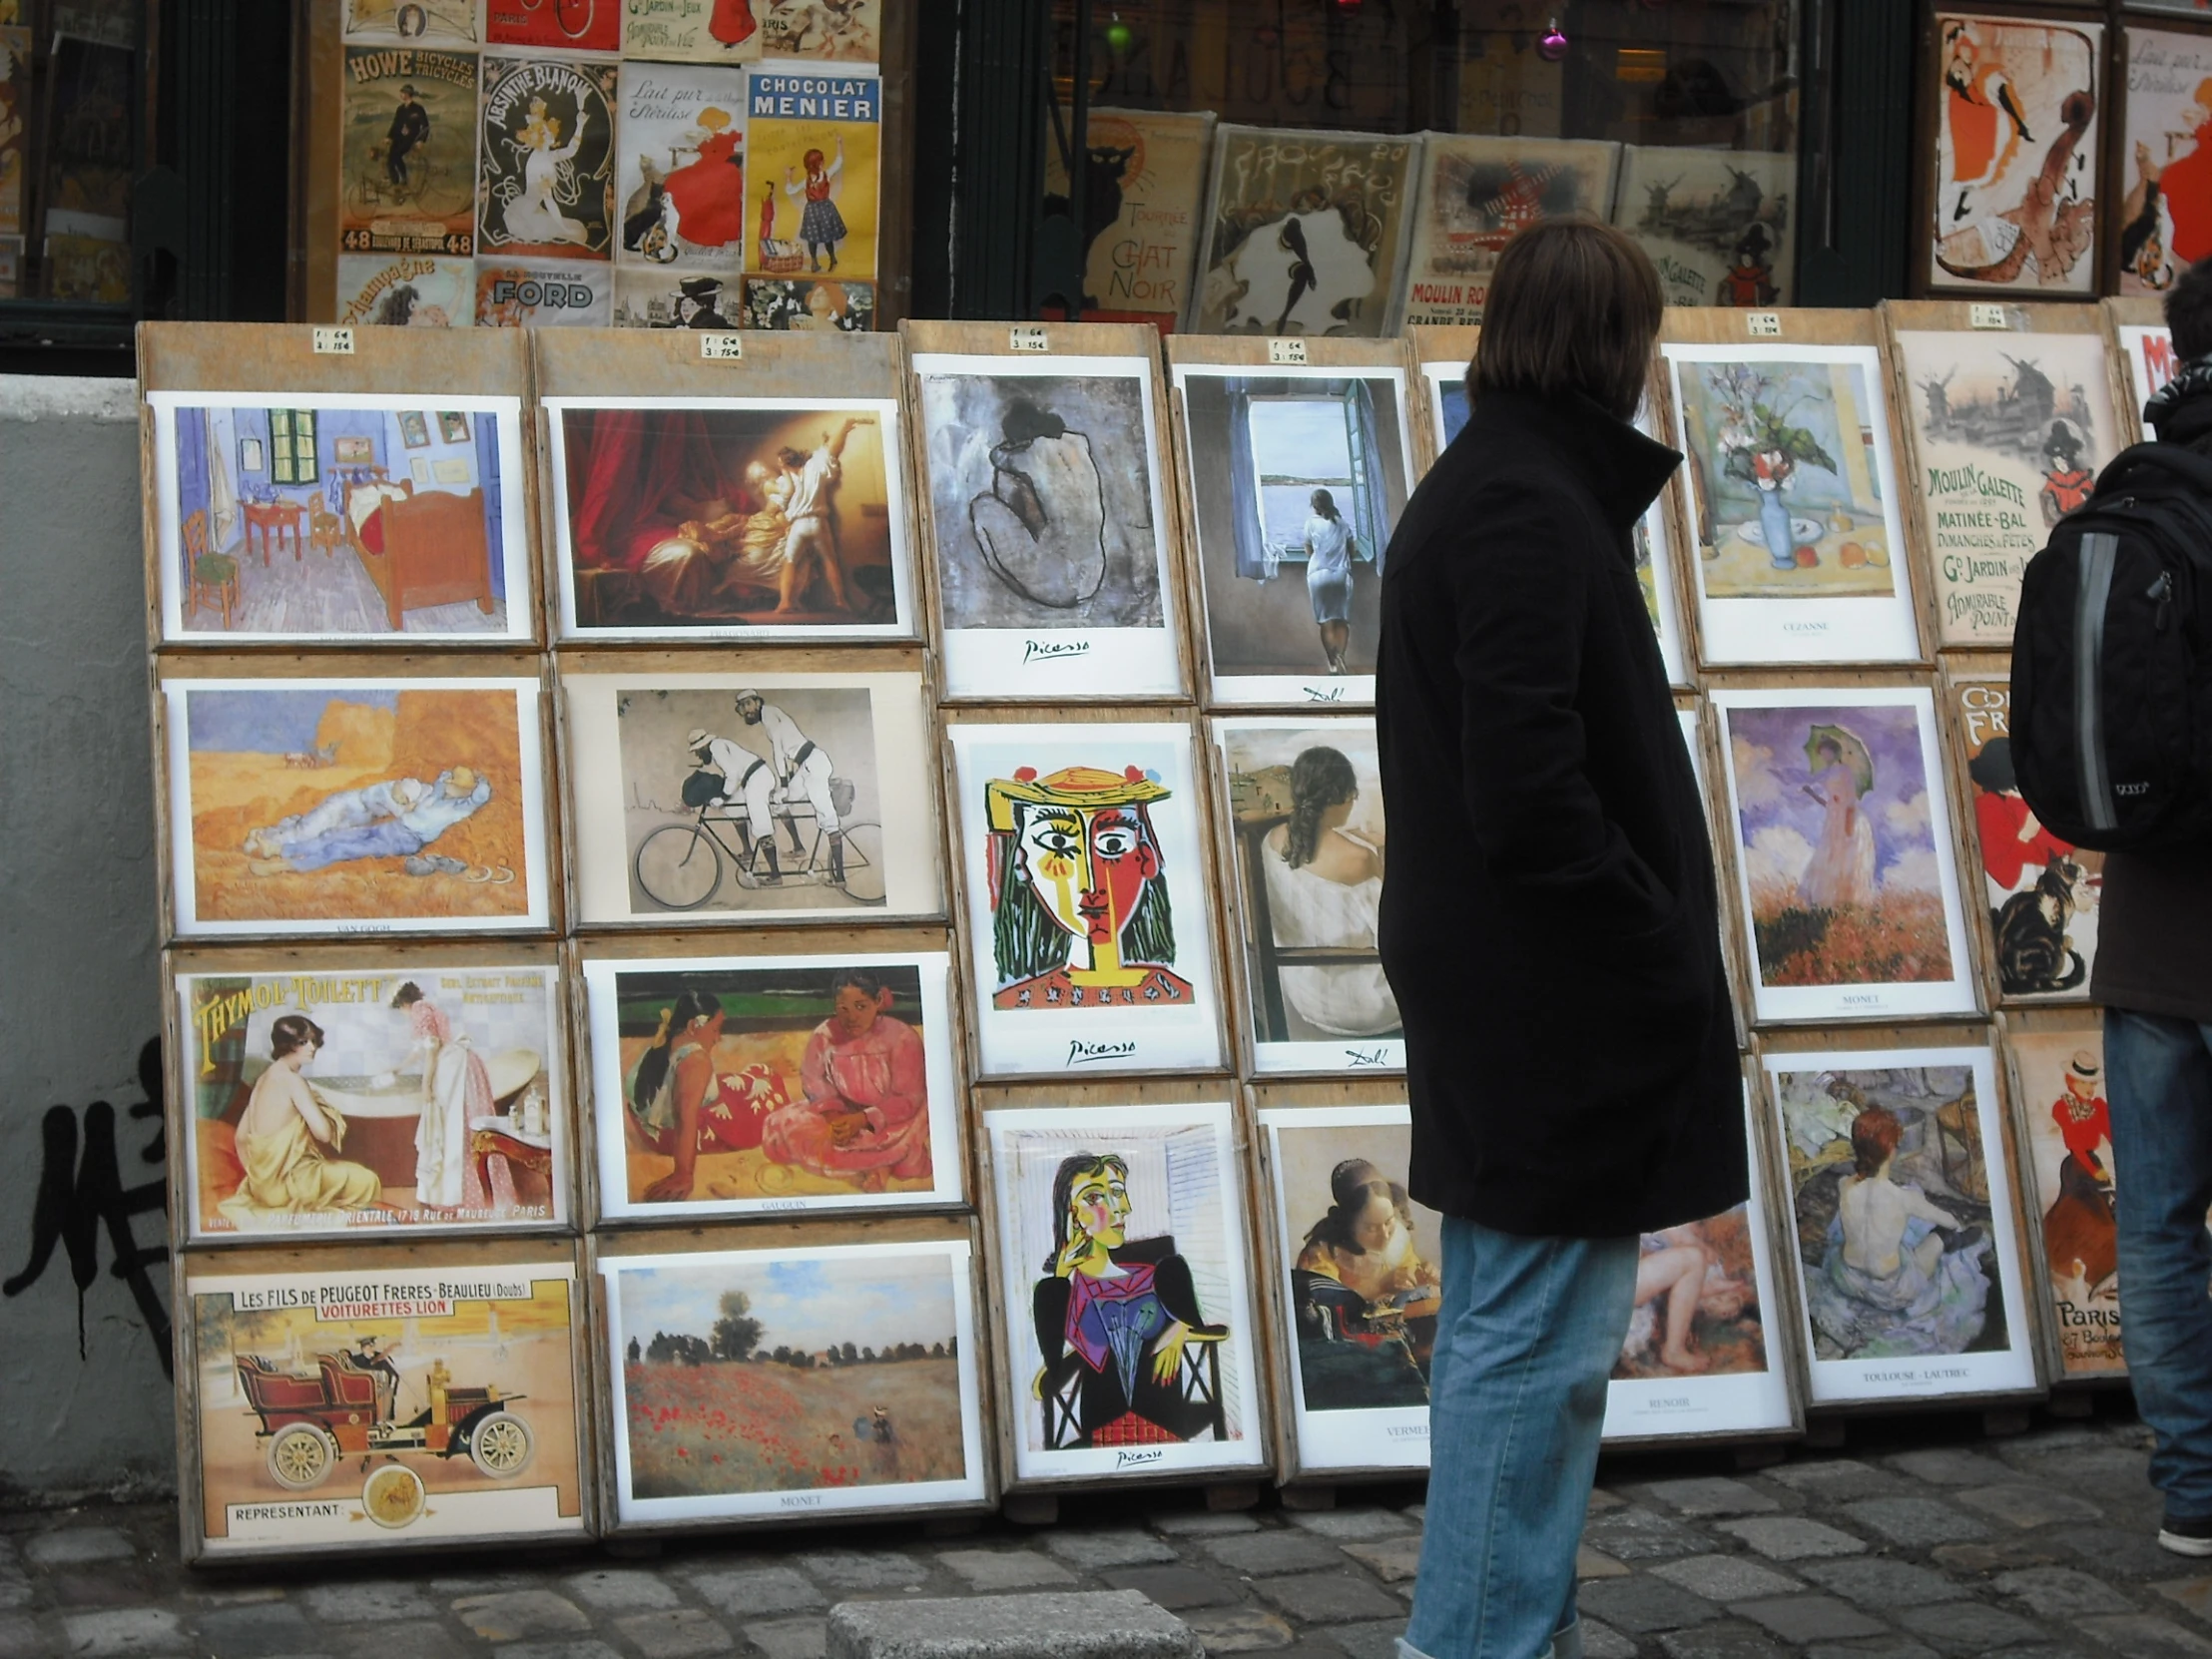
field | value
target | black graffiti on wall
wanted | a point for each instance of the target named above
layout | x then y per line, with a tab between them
81	1192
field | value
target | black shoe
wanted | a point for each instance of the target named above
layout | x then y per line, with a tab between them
2186	1534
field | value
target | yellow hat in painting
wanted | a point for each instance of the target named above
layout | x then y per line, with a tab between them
1077	787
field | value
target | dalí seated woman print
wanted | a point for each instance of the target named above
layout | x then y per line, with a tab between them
1118	1324
1080	914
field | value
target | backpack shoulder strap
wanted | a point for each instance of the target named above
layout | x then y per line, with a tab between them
2179	459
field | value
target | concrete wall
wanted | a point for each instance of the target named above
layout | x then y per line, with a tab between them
83	1348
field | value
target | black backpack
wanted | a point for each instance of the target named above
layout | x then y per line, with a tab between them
2111	722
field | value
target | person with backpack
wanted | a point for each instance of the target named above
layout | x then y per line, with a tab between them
2112	747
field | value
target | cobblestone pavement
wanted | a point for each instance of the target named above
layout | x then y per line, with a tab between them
1922	1540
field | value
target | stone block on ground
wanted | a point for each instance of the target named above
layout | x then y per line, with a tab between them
1272	1552
1731	1640
2064	1593
513	1614
72	1547
757	1592
1093	1624
1792	1537
676	1633
1998	1555
1630	1534
794	1638
116	1632
2194	1594
266	1631
1119	1546
1969	1627
1712	1495
1240	1629
992	1570
1836	1480
2027	1504
1725	1578
1916	1523
1948	1467
1396	1560
1201	1524
1353	1525
2145	1636
416	1638
1801	1619
1879	1583
2115	1551
1595	1563
373	1602
1873	1647
1643	1605
620	1590
1601	1641
1371	1639
865	1569
21	1638
589	1647
1329	1597
1175	1588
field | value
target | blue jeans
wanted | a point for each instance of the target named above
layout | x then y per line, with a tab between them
385	838
2160	1077
1527	1337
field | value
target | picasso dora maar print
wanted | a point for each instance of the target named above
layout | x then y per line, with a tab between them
1793	498
1843	853
1086	897
343	1096
1362	1265
373	806
793	1380
1127	1295
747	1084
1049	521
1908	1262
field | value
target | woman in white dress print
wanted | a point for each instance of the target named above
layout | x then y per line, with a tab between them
548	178
1325	885
457	1087
1328	549
1842	867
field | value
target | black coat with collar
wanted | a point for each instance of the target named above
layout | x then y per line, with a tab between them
1549	922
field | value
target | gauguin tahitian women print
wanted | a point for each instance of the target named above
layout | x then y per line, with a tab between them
1845	854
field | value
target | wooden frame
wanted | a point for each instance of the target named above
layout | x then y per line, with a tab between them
2083	280
325	1403
1134	1057
2072	1318
1253	957
330	974
1899	1384
542	910
1045	658
1783	631
1223	357
1969	589
669	368
975	1491
1878	1000
433	549
908	884
2143	358
1101	1105
601	1120
1428	351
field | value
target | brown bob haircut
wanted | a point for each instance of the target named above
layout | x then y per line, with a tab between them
1574	305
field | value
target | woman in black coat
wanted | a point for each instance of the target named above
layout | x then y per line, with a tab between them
1550	927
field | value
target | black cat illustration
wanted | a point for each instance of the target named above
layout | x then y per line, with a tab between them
1104	167
2035	955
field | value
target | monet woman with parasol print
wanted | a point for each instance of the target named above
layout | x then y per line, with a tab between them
1842	868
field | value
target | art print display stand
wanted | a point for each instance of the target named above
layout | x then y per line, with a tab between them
822	1072
1795	536
1903	1210
711	486
2143	358
1296	457
2007	417
774	1373
435	1392
1048	515
1147	1177
1441	358
381	496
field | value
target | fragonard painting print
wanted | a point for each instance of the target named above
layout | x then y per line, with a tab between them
759	1381
357	806
428	1402
2060	1080
1087	898
1703	1355
1306	814
545	183
2042	894
1304	231
736	518
744	1084
339	1098
2015	201
1362	1265
1908	1263
1128	1300
341	517
705	797
1476	194
2009	433
1297	480
1843	853
1716	222
1046	497
1793	503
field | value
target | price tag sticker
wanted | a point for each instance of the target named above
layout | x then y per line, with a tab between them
1988	316
717	347
1763	325
337	343
1028	337
1286	352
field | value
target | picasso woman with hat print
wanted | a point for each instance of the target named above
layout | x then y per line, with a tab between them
1080	914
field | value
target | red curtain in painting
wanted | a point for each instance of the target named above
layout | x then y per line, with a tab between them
636	474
